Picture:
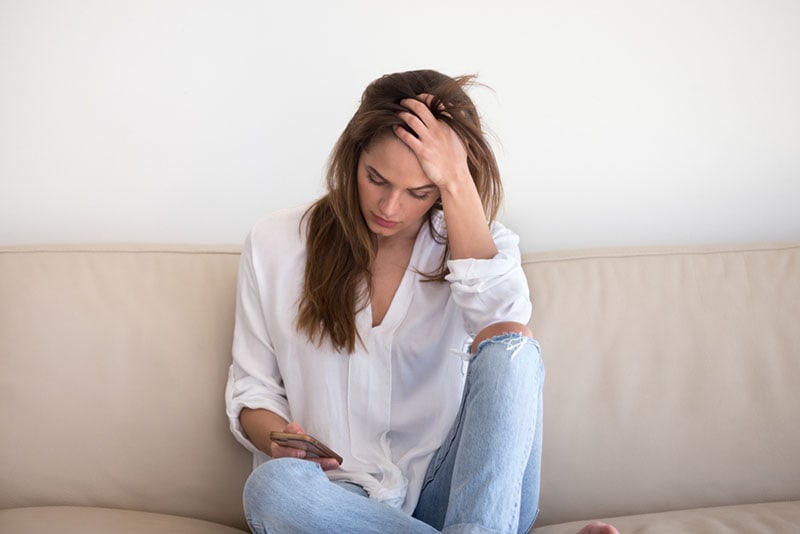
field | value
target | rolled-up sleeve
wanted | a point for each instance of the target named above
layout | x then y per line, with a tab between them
254	379
492	290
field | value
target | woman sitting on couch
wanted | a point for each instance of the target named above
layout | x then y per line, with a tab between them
388	320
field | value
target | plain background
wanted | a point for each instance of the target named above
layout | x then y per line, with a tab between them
184	121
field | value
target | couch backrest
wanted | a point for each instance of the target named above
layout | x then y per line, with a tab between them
673	378
113	363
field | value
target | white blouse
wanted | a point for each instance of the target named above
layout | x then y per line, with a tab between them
385	408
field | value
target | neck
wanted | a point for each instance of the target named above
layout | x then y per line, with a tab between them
407	238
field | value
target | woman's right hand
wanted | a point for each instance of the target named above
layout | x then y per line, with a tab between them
279	451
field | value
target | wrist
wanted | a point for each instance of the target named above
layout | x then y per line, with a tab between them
459	184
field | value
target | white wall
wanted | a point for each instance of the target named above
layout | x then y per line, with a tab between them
617	122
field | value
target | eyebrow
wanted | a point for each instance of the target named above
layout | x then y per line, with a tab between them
373	170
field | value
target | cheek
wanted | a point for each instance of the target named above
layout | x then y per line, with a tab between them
363	192
432	201
422	209
368	196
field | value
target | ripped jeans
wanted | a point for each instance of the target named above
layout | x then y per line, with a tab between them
484	477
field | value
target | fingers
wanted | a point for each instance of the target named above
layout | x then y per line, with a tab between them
294	428
279	451
440	151
419	109
327	464
420	121
420	112
416	127
420	115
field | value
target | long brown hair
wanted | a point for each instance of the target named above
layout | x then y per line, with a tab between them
341	249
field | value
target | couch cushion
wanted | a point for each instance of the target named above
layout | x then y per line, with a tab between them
86	520
672	378
766	518
114	361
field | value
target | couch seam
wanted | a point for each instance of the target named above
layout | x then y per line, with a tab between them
598	254
230	251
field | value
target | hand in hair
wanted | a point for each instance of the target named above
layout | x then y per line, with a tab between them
443	158
440	151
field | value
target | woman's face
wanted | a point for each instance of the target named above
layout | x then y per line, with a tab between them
393	191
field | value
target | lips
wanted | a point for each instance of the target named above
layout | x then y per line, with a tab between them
380	221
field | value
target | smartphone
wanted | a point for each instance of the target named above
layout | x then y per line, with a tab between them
313	447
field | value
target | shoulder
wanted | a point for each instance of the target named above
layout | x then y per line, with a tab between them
279	229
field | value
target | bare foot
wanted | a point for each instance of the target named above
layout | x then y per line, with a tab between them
596	527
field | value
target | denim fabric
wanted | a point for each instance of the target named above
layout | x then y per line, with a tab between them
484	477
289	495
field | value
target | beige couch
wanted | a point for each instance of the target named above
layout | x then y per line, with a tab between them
672	393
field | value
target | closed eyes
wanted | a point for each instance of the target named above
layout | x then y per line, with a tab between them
422	193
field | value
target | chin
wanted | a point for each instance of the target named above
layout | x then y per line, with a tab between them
380	231
384	232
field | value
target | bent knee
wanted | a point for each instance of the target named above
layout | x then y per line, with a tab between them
260	479
497	329
272	479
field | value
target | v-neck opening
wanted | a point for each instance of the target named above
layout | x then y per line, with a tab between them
398	306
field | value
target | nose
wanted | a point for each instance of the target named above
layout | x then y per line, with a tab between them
390	203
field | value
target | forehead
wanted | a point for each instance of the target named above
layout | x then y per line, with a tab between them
395	162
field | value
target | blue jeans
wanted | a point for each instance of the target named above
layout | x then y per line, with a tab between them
486	482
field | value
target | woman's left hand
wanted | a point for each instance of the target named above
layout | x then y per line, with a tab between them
439	150
443	158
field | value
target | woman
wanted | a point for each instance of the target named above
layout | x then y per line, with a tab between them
351	317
